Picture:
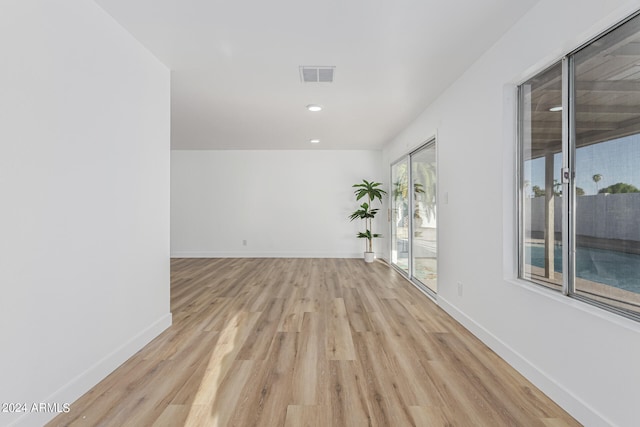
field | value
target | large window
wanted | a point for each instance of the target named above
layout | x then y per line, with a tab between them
579	173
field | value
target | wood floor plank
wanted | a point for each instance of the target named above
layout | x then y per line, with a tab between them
429	416
554	422
269	393
404	363
310	366
293	313
396	321
309	342
458	402
339	339
172	416
426	319
384	396
306	416
215	403
222	357
370	299
349	405
359	319
257	344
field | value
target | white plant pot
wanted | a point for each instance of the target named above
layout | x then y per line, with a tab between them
369	256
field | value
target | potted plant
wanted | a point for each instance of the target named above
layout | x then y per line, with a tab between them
371	192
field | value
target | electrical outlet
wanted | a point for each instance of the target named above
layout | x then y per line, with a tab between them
244	243
460	289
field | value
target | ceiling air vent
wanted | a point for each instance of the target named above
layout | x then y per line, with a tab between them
315	74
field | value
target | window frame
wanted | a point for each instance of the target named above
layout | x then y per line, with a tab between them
568	181
520	272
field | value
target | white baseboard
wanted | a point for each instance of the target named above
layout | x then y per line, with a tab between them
245	254
579	409
82	383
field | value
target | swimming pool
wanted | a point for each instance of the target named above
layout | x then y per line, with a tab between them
613	268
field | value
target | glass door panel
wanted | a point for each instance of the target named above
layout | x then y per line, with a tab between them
424	249
540	162
400	215
607	153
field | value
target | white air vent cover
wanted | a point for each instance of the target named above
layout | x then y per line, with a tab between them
316	74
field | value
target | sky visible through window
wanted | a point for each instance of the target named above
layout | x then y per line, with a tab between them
617	160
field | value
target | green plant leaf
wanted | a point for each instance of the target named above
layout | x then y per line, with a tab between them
370	191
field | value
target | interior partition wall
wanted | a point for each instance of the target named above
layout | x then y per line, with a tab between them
414	231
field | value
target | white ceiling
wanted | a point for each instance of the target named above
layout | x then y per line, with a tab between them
235	77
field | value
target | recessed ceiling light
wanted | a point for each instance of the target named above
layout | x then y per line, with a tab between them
558	108
314	107
315	141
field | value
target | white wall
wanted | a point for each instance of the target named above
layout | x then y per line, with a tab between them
84	185
584	358
283	203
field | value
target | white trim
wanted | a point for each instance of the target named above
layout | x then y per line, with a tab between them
510	190
575	406
244	254
82	383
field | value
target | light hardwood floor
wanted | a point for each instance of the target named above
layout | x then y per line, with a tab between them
309	342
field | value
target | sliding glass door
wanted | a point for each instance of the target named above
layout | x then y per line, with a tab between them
400	215
424	248
414	248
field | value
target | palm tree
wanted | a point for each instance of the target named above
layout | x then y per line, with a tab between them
596	178
371	192
425	184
